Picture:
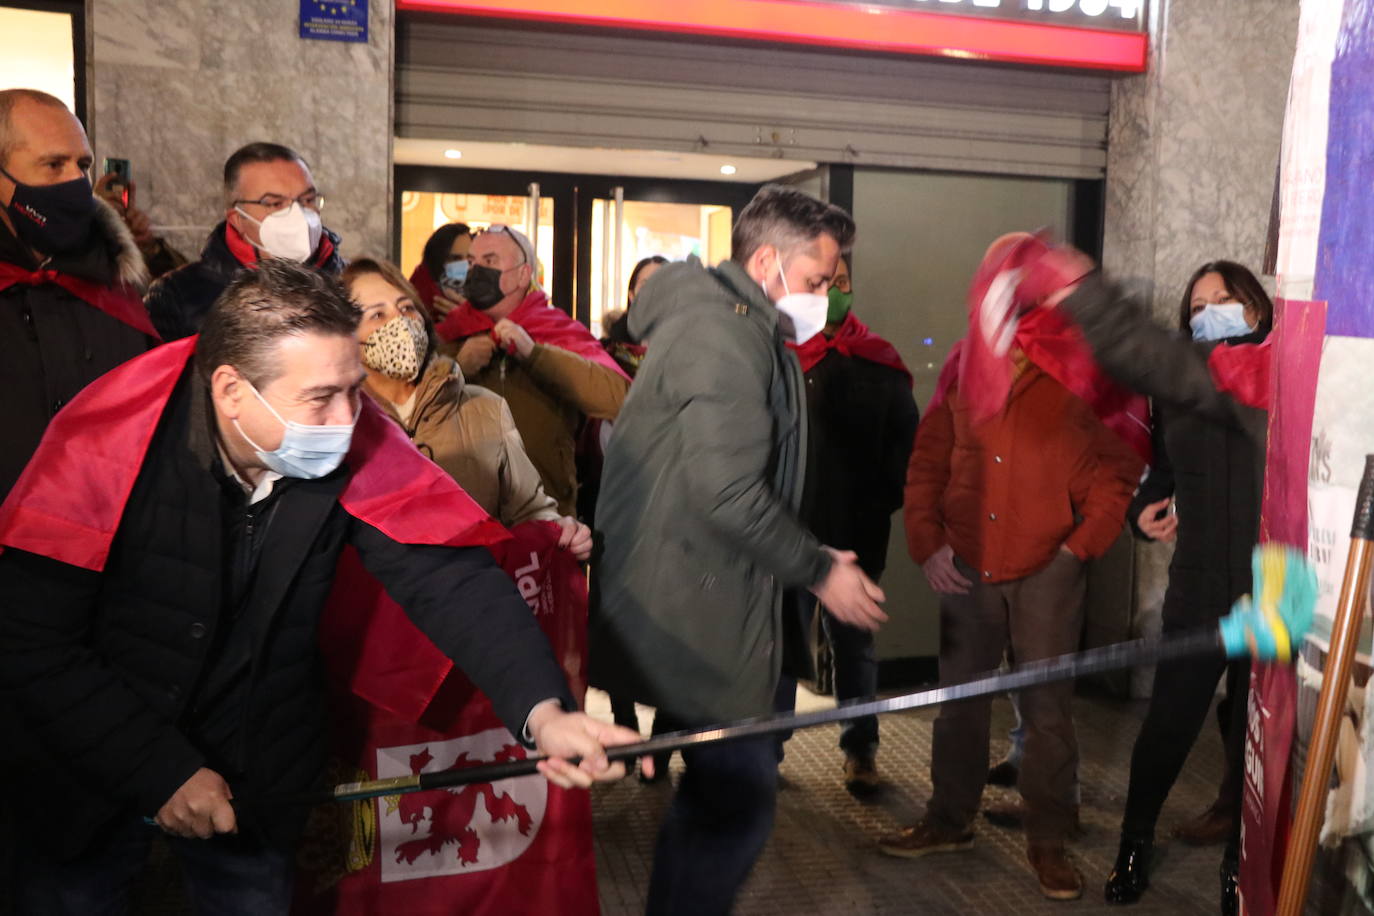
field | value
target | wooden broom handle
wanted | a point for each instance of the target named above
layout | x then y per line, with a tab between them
1321	752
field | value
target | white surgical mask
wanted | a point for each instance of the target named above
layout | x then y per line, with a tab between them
1219	322
306	452
293	233
806	310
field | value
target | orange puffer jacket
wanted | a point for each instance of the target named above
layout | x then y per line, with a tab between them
1007	494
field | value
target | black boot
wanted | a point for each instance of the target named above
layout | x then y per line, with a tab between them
1230	881
1131	874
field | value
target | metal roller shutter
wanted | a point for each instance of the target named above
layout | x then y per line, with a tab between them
466	80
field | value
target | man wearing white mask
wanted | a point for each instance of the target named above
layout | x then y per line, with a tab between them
272	210
159	606
698	515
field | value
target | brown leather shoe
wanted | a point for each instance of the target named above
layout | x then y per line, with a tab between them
1210	828
924	839
1012	816
861	777
1059	880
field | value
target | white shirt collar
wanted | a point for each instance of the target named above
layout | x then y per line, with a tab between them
265	482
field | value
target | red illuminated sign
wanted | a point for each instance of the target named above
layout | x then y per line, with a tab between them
837	25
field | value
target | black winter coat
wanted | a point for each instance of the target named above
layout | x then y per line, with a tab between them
1208	450
129	680
179	301
863	421
53	344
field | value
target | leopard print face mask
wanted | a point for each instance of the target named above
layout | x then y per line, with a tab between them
397	348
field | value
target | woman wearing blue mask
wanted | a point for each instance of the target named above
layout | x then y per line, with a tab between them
443	267
1202	492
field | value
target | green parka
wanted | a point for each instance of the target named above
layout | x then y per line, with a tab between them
697	516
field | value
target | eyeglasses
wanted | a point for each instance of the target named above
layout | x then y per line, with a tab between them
503	228
310	200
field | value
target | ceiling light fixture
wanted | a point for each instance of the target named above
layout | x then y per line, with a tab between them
728	170
453	154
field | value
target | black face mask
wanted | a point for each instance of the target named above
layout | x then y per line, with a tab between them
483	287
53	218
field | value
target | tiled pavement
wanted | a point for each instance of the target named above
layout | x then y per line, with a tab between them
822	858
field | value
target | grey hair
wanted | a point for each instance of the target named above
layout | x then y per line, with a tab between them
9	98
786	219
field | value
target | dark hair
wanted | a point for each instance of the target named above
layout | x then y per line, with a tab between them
439	245
786	218
380	267
256	152
1240	283
639	269
277	299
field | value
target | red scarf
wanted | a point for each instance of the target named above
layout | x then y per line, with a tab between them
852	338
1243	372
69	501
1055	345
424	284
119	302
544	323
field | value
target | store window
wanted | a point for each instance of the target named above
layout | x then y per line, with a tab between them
40	50
673	230
422	212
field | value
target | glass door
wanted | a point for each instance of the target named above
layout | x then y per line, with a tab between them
422	212
625	231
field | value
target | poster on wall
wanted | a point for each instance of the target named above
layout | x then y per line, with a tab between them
1327	216
334	20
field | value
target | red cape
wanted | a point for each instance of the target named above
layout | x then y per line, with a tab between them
852	338
1058	348
119	302
545	324
69	501
424	284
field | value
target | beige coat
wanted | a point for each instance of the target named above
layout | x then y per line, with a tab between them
468	431
549	394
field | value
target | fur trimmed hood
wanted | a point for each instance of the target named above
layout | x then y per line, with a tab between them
130	267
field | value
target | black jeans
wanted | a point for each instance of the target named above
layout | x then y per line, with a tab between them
856	678
1182	695
225	876
716	828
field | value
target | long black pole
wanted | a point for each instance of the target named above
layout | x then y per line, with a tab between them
1063	667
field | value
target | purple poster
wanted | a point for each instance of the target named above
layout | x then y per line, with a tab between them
1345	270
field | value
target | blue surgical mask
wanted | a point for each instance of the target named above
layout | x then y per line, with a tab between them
455	272
306	452
1219	322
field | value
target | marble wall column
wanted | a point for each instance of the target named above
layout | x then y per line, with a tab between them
1193	151
178	85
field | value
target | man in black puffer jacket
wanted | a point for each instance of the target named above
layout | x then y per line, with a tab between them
272	210
159	606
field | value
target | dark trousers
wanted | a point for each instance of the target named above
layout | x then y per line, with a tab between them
856	678
1181	697
1039	616
225	876
716	828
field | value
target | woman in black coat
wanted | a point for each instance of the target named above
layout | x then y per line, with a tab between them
1208	466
